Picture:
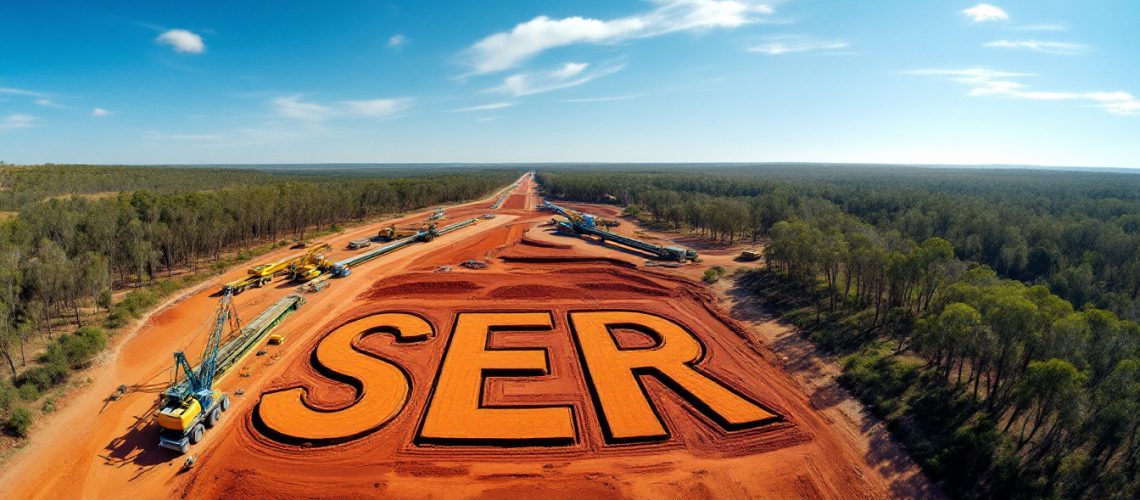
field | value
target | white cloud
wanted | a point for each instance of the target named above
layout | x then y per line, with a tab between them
22	92
985	12
986	82
397	40
17	121
1044	47
788	45
100	112
570	74
183	41
377	108
294	106
48	103
505	50
487	107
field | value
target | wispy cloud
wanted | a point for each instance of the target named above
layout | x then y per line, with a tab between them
796	44
99	112
486	107
506	50
1044	47
48	103
570	74
985	12
22	92
296	107
17	121
604	99
986	82
397	41
183	41
377	108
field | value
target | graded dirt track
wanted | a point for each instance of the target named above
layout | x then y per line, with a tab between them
777	445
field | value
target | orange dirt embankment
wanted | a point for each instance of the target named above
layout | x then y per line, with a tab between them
462	438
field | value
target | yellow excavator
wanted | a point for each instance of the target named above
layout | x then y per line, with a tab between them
311	265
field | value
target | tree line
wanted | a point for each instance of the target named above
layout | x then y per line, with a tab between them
997	385
61	256
1075	232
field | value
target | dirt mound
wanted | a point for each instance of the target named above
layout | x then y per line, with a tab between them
533	292
422	288
544	244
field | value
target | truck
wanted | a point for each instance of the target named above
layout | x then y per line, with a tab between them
358	244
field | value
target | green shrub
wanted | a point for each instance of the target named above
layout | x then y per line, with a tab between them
714	274
29	392
43	377
19	422
8	395
77	349
633	210
49	406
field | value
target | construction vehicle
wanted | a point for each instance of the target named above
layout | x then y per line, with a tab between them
191	404
437	215
259	276
578	223
393	233
310	265
344	268
750	255
357	244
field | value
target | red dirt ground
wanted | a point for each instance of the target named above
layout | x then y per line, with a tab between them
97	449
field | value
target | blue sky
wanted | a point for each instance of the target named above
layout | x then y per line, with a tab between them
900	81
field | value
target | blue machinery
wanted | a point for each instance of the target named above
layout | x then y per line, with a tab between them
578	223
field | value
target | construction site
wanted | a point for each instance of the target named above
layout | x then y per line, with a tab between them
508	347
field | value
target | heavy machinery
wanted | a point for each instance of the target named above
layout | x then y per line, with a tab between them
358	244
344	267
393	233
750	255
437	215
191	404
578	223
310	265
259	276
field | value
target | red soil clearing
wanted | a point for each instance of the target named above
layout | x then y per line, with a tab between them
704	413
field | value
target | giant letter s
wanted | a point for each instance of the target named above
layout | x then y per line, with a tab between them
382	387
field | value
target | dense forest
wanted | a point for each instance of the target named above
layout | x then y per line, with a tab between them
988	316
62	252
